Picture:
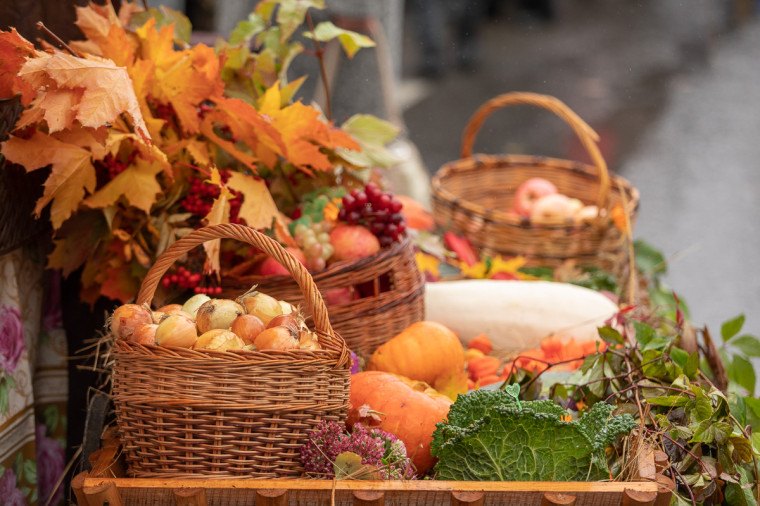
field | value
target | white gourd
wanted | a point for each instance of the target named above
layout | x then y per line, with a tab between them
517	315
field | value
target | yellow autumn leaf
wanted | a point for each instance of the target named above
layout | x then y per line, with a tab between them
427	263
509	266
72	172
477	271
258	208
137	183
220	213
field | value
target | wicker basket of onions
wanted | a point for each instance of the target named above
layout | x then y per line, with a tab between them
220	387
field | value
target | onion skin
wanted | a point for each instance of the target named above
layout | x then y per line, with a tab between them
276	338
145	334
308	341
193	303
219	340
176	330
170	308
247	327
127	318
217	314
263	306
285	320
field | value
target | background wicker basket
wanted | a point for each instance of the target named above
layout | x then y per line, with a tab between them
391	286
473	197
185	413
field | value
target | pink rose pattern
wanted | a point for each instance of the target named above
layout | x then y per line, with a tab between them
52	317
11	338
9	494
51	461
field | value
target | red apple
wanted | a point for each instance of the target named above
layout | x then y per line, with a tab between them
529	192
340	296
352	242
271	267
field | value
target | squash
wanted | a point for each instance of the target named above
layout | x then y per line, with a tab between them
517	315
424	351
406	408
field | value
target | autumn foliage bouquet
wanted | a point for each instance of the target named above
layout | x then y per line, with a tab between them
147	137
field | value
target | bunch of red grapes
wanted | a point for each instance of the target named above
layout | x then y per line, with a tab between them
188	280
377	210
201	197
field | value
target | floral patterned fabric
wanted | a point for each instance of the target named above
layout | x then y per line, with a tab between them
33	382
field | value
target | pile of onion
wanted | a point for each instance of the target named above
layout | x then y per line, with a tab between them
255	321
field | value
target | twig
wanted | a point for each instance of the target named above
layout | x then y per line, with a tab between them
63	475
44	29
688	488
319	52
682	447
145	4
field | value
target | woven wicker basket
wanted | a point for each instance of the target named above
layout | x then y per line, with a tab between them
392	295
473	197
186	413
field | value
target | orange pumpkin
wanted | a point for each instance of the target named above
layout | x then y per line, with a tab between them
406	408
425	351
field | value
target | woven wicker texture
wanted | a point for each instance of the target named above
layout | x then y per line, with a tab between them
18	190
473	196
393	295
186	413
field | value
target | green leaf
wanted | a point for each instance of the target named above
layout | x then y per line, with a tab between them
672	401
682	432
292	13
742	449
732	327
30	472
247	29
747	344
644	333
3	397
703	409
648	259
610	335
744	374
370	129
351	41
692	366
756	441
741	494
680	357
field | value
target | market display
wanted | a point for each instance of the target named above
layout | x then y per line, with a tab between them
280	313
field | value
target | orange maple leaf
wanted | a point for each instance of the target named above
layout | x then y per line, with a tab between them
72	171
13	51
137	183
220	213
250	126
105	34
619	218
107	89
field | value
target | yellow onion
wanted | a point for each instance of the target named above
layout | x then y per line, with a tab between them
308	341
175	311
176	330
289	321
157	316
276	338
247	327
217	314
287	307
193	303
218	340
145	334
262	305
127	318
170	308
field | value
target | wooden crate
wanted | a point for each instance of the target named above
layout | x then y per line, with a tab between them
105	484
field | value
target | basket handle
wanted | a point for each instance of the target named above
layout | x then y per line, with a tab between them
260	241
585	133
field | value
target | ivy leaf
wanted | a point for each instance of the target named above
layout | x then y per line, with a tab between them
747	344
351	41
732	327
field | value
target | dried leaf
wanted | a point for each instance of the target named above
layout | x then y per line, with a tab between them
137	183
348	465
72	172
13	51
220	213
258	208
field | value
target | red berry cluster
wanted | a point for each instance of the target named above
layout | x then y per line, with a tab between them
112	166
187	280
377	210
202	195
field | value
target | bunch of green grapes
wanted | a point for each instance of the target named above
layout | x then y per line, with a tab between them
314	241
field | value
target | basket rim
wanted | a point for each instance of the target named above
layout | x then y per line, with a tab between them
443	196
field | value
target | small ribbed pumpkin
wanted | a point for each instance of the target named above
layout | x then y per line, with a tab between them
406	408
425	351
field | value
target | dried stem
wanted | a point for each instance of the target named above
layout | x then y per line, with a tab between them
44	29
688	488
145	4
319	52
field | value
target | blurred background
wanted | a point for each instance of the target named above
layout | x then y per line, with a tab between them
671	86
